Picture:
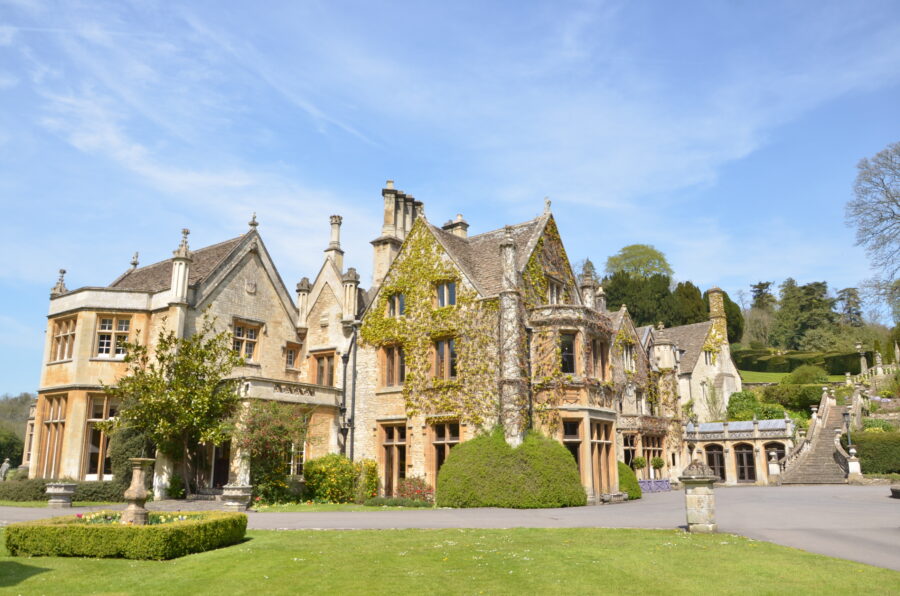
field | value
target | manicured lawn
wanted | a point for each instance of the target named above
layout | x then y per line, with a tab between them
44	504
316	507
751	376
520	561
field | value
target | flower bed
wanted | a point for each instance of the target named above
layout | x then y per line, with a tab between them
101	534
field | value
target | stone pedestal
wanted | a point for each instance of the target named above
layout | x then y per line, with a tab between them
60	494
854	471
236	497
774	469
136	494
699	500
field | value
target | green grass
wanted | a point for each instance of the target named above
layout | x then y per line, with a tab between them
317	507
44	503
751	376
520	561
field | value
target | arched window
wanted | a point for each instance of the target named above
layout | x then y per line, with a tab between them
715	459
778	448
744	462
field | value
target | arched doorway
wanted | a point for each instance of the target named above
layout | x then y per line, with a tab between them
715	459
778	448
745	462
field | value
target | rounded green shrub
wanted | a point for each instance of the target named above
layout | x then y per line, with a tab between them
331	478
806	375
628	482
487	472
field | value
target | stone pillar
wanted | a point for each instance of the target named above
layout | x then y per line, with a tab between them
303	290
863	365
774	469
511	379
351	286
334	251
847	380
163	471
854	470
588	290
699	499
879	365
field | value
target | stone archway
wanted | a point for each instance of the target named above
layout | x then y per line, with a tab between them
745	462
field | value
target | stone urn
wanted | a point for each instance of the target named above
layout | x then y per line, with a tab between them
236	497
699	500
60	494
136	494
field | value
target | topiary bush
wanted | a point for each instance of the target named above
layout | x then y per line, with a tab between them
330	478
487	472
806	375
628	482
793	397
878	452
71	536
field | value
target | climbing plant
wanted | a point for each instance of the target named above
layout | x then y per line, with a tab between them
472	323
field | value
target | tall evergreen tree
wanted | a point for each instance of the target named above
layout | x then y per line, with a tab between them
850	307
687	305
762	296
801	308
647	299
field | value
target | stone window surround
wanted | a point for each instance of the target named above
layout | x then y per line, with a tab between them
116	333
292	362
329	355
443	358
245	323
63	345
54	423
445	293
106	409
393	367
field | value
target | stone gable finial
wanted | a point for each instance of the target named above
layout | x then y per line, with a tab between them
546	204
134	261
253	223
183	251
60	288
660	326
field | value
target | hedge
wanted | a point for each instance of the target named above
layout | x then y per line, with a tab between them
34	490
487	472
396	502
879	453
835	363
628	482
793	397
68	536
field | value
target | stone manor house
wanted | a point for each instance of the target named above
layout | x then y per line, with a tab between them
456	334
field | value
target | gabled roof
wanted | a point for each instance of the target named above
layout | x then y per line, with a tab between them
479	256
158	276
690	339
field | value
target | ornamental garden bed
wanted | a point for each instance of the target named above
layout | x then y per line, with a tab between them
101	534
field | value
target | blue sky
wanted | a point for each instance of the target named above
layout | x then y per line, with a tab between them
725	134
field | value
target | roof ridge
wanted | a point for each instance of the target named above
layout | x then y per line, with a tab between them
518	225
155	263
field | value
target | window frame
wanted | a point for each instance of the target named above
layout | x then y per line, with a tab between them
324	365
63	345
393	370
241	340
442	441
292	362
54	423
394	454
117	336
555	291
108	410
396	305
296	458
446	293
445	360
570	358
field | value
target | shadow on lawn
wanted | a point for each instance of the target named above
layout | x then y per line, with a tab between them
12	572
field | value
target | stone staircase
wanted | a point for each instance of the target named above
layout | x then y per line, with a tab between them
818	466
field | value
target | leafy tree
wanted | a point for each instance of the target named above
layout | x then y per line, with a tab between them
763	298
687	305
850	307
11	447
179	395
641	260
647	299
734	316
14	412
758	327
801	308
875	209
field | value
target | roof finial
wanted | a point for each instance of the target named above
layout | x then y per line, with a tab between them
253	223
546	204
134	261
183	250
60	288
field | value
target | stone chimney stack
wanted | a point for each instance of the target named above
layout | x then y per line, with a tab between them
303	289
351	293
400	212
717	311
334	251
600	299
457	227
512	384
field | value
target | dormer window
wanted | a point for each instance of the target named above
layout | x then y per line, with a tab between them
396	305
554	292
446	293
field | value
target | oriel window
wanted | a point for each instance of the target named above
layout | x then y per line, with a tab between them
63	339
